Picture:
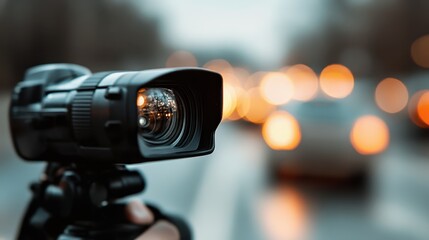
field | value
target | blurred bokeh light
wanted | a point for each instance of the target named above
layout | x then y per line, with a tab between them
281	131
420	51
254	107
218	65
336	81
417	115
181	59
391	95
229	100
423	108
305	82
370	135
276	88
284	215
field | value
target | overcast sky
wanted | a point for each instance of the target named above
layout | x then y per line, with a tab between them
260	29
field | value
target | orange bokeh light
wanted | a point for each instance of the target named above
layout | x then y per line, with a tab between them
233	82
241	73
253	107
276	88
391	95
369	135
254	80
229	100
181	59
336	81
420	51
284	215
218	65
423	108
413	110
281	131
305	82
230	78
240	101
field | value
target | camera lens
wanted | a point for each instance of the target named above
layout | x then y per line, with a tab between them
158	115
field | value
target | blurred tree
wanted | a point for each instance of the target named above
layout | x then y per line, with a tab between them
99	34
373	38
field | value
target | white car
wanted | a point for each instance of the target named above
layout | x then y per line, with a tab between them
335	138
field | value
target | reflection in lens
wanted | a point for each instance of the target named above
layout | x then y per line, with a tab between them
157	113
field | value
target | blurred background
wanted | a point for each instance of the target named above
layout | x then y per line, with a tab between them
326	109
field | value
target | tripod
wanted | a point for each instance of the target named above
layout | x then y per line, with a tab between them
78	202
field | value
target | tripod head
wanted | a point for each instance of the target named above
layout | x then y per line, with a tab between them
68	190
80	202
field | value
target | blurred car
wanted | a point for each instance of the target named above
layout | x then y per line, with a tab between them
325	137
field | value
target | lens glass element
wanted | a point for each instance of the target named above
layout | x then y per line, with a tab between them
157	115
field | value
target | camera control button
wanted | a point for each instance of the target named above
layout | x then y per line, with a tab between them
113	93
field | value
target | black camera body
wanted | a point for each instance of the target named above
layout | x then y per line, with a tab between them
86	126
63	112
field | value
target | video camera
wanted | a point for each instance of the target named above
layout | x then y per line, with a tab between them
86	126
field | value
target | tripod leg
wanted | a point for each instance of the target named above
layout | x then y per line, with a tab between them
27	230
39	224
